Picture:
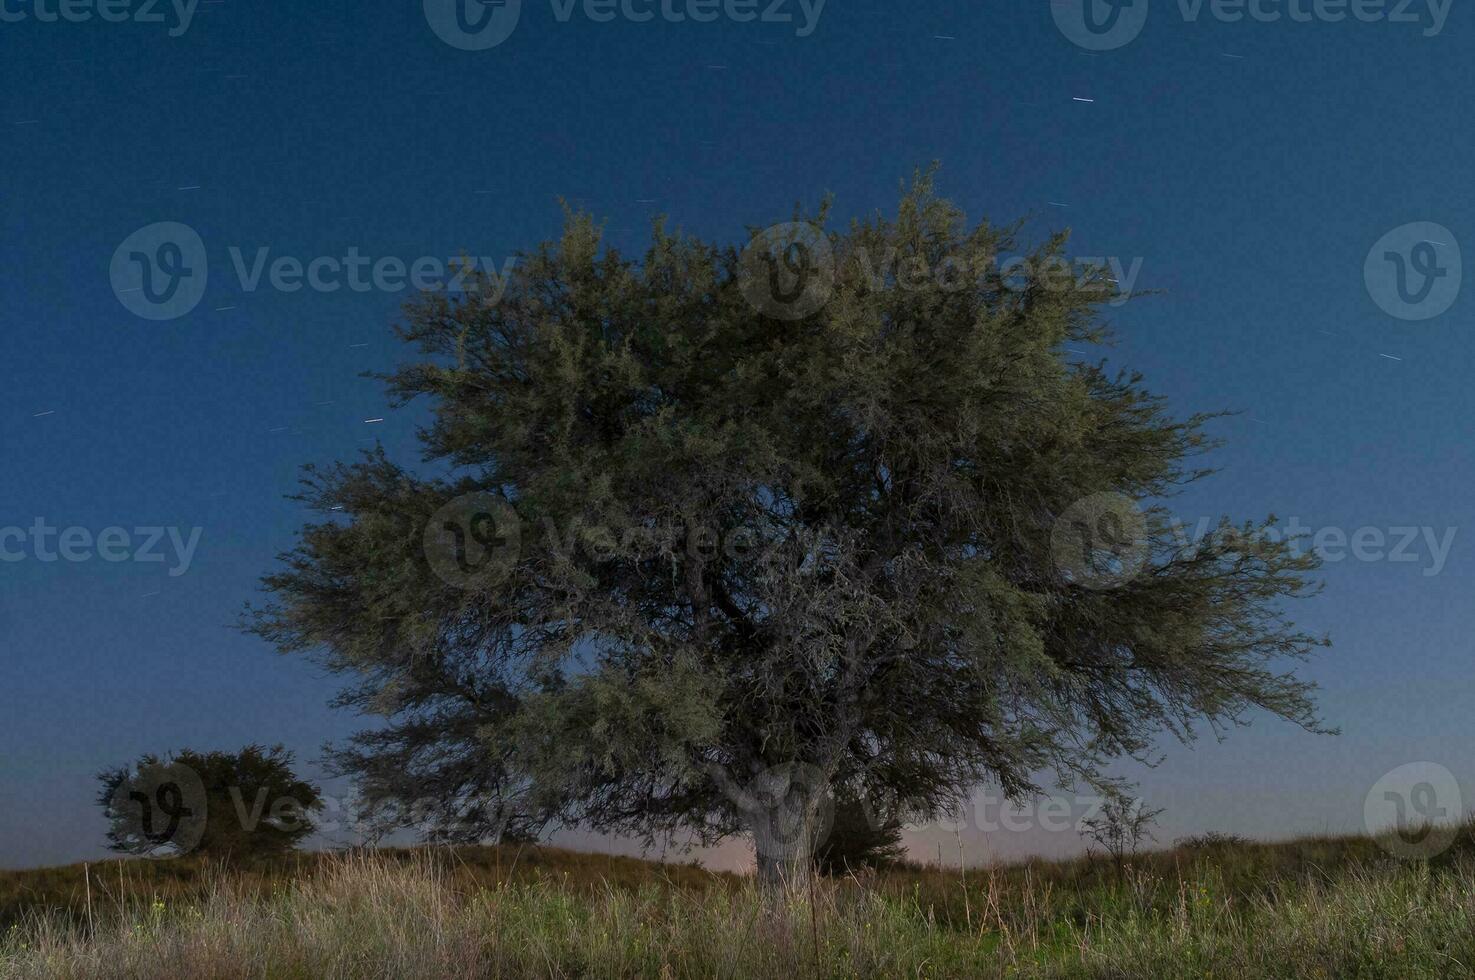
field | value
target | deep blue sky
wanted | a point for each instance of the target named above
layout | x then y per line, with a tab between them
1251	167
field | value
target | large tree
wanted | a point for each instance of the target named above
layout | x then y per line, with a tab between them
703	537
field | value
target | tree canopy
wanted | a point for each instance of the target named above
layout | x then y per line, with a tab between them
234	806
706	535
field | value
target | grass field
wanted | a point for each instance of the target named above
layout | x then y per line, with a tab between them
1315	907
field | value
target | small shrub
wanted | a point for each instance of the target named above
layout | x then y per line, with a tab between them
1211	841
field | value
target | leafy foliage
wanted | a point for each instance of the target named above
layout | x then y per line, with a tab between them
860	838
727	548
236	806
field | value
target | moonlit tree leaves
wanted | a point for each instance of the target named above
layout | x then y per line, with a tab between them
751	545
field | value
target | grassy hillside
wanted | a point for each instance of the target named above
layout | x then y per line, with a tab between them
62	893
1316	907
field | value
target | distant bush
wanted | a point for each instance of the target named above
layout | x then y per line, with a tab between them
1213	840
860	838
227	806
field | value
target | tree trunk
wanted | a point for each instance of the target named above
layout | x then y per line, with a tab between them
785	816
783	842
786	808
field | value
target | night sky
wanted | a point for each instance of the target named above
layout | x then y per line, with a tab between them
1253	166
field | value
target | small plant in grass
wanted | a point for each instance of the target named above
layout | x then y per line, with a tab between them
1213	840
1121	827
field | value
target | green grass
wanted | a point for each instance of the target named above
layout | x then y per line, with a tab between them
1317	907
